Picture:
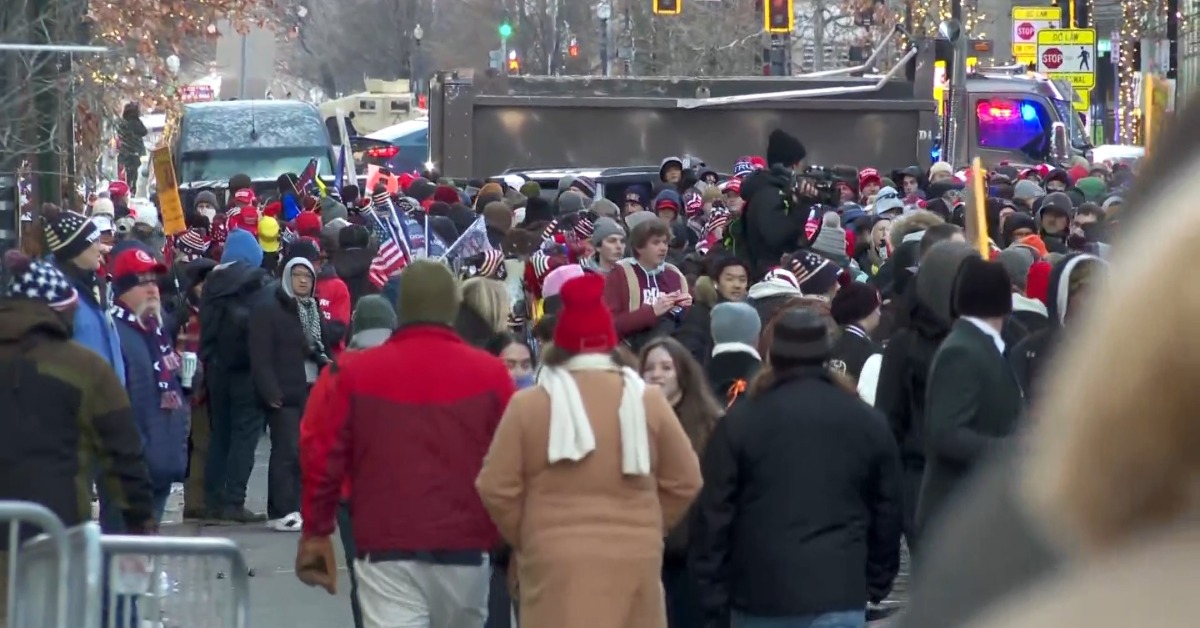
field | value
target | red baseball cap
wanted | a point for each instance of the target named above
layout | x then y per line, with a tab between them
244	196
132	267
244	218
118	188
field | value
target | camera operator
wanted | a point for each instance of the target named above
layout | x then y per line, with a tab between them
778	202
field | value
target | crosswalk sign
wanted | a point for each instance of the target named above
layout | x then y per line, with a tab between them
1068	54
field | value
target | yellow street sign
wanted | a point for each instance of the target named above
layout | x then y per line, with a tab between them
1084	101
1068	54
1027	22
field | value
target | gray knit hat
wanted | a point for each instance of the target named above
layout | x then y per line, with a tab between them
606	208
373	312
570	202
637	218
1027	190
735	322
1016	261
604	228
831	240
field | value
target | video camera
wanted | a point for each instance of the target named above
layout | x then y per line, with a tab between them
824	181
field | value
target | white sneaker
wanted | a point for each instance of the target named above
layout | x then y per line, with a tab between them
288	523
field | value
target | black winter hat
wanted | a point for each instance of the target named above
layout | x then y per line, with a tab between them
353	237
68	234
784	149
853	303
1057	202
800	337
982	289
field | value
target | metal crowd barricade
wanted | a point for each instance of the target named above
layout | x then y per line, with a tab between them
52	604
140	581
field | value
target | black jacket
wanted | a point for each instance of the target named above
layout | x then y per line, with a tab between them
972	405
1020	325
1029	357
65	413
695	333
729	367
852	349
771	224
903	379
230	293
800	510
278	350
353	267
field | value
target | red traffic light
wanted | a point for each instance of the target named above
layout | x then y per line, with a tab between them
573	49
779	17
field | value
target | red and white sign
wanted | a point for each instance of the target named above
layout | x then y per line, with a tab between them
196	93
1026	23
1052	58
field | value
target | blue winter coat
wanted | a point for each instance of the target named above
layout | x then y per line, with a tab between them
94	329
164	432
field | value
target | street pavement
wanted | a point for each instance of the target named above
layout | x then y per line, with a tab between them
277	598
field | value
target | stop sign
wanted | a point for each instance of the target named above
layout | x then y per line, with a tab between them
1025	30
1052	58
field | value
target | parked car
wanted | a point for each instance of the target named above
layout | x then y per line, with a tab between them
400	148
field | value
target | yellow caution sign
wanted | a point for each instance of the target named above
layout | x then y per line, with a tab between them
168	191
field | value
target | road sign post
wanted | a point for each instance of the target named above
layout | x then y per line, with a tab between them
1027	22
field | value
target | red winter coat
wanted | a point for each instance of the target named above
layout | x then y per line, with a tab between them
409	422
334	299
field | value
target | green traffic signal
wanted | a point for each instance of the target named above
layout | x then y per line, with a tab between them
505	30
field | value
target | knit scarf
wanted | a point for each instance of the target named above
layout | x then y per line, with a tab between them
167	361
310	320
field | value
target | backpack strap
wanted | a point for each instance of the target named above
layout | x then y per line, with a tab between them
635	287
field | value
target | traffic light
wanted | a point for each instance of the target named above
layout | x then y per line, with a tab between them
514	64
668	7
573	48
779	17
505	30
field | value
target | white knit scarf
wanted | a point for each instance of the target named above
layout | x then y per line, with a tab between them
571	435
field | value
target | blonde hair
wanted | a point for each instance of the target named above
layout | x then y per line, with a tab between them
1116	449
489	299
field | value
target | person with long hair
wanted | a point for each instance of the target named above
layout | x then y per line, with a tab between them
585	472
485	310
666	363
799	520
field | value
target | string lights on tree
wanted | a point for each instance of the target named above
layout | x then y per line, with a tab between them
927	15
1133	13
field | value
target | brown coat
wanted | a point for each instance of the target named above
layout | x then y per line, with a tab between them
588	540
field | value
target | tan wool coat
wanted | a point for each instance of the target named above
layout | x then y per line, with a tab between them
588	541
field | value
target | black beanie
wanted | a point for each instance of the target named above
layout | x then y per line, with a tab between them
353	237
784	149
800	336
67	234
982	289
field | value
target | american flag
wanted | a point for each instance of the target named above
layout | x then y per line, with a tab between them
390	258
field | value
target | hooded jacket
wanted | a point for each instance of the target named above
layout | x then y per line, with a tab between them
230	292
904	372
279	346
771	224
66	413
1030	356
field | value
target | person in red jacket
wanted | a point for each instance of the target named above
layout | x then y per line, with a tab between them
409	422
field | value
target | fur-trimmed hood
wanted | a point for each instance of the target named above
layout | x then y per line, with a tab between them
919	220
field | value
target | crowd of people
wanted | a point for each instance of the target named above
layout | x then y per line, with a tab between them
724	400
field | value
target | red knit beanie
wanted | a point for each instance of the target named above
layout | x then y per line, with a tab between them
584	324
308	224
1037	282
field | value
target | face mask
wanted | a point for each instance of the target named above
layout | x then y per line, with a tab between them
524	381
209	213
